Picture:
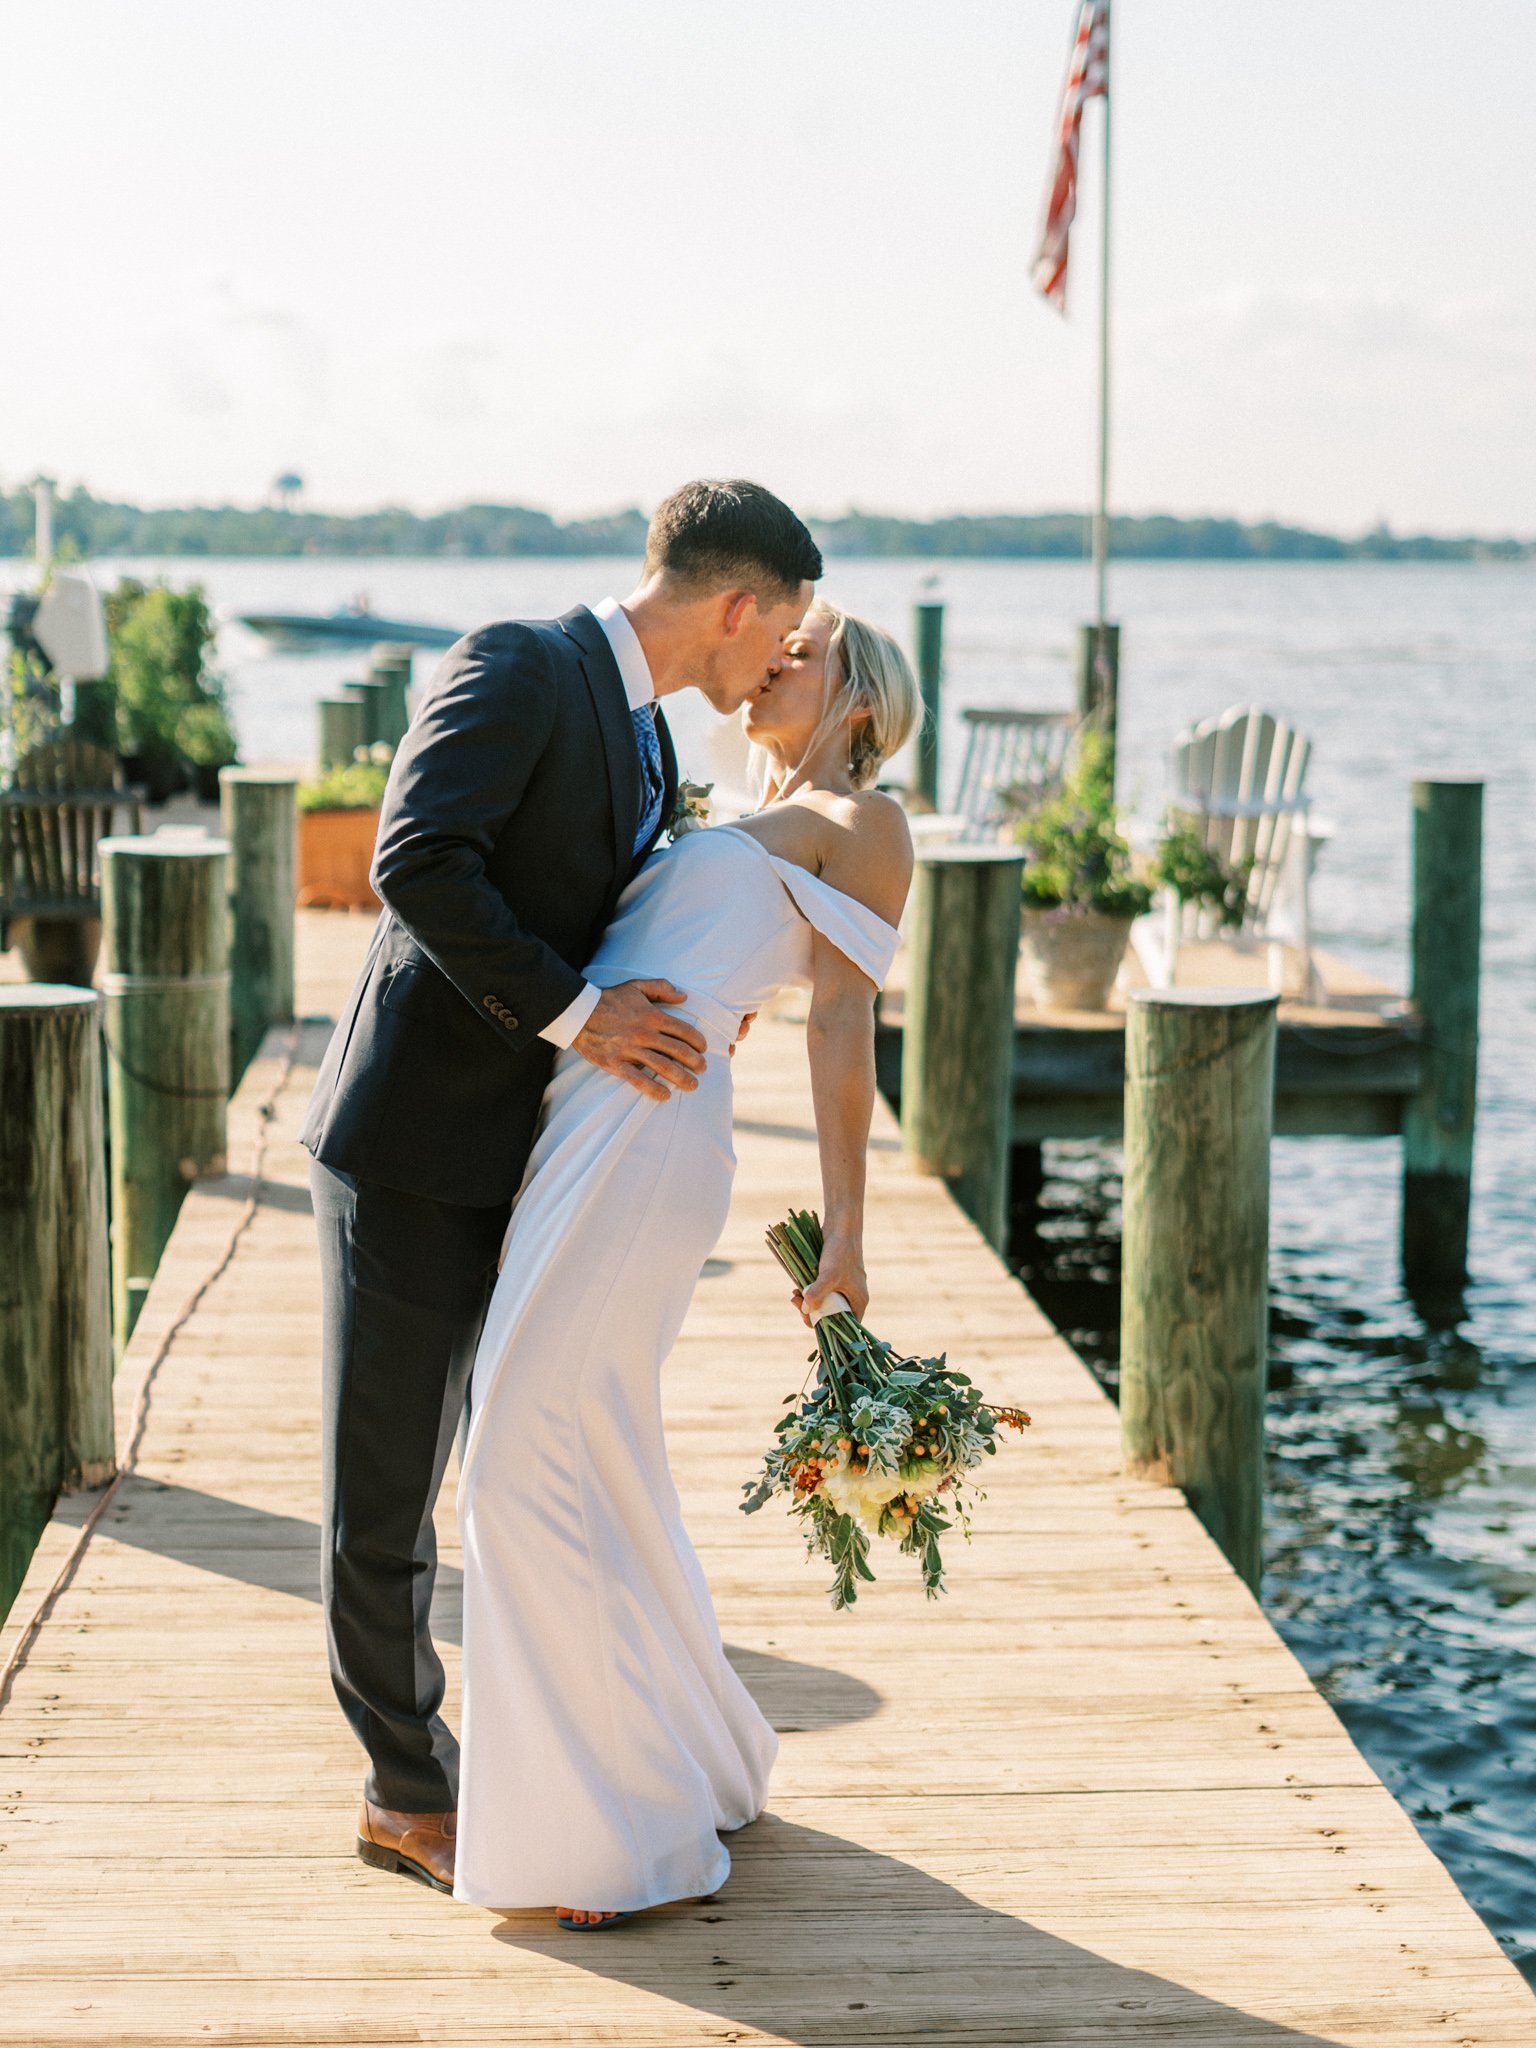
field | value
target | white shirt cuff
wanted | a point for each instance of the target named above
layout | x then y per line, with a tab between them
562	1030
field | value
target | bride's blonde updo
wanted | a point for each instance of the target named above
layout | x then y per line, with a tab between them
867	671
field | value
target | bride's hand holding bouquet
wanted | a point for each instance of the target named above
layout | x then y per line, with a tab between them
839	1281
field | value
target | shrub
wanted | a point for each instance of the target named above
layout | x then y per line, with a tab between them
205	737
161	671
1077	859
1196	873
30	711
358	786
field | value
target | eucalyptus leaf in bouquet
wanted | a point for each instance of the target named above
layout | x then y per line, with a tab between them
878	1445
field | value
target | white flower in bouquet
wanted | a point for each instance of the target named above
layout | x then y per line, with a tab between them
864	1494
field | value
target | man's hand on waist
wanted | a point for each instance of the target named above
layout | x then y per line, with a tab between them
632	1033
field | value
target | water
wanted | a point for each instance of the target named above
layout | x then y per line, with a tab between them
1401	1546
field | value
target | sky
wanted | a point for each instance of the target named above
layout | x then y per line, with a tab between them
570	254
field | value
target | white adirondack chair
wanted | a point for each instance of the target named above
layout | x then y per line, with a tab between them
1013	761
1238	780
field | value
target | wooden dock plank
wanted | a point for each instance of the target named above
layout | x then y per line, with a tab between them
1088	1798
1346	1062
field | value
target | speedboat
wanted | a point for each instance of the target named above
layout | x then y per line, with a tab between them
356	624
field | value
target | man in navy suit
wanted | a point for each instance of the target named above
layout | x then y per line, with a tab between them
535	777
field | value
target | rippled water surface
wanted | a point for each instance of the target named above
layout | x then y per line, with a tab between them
1400	1540
1401	1546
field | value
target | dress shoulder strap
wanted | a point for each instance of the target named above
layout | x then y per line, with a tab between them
867	940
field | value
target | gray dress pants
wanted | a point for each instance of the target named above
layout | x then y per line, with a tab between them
405	1287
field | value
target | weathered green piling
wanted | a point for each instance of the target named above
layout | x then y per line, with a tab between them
166	982
375	696
1446	945
260	824
391	668
1098	680
343	729
55	1312
928	645
1194	1324
957	1034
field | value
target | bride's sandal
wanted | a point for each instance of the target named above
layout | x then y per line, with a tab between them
593	1926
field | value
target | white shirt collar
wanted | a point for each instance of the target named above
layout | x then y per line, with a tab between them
634	669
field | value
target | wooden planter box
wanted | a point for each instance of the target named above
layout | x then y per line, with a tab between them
335	854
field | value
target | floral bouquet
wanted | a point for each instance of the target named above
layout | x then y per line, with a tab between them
877	1442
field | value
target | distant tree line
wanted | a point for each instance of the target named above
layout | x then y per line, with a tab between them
1158	537
89	526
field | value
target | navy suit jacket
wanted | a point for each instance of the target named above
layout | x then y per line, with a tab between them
505	840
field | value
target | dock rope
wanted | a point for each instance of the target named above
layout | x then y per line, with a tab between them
158	984
266	1111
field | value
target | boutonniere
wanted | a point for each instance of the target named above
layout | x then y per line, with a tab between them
690	811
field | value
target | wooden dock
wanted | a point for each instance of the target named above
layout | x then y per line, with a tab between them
1348	1059
1088	1798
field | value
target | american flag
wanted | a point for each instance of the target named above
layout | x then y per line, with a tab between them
1087	79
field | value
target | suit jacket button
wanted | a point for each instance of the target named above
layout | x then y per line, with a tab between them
509	1020
488	1002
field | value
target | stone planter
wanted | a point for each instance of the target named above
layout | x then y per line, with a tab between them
1071	958
335	854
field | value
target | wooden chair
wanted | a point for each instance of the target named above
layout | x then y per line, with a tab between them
1013	761
1238	781
62	801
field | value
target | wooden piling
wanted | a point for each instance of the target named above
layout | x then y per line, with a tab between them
1098	680
957	1041
1446	943
260	824
167	989
391	667
55	1310
343	729
928	646
1194	1324
376	697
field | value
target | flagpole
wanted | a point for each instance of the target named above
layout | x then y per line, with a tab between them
1098	644
1101	511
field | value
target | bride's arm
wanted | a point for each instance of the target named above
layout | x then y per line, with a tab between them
870	859
840	1037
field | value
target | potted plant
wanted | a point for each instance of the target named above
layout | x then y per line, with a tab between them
338	824
1081	895
161	641
206	740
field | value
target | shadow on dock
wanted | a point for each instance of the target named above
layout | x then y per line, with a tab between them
237	1187
281	1554
719	1957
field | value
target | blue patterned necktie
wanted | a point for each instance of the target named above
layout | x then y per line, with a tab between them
651	777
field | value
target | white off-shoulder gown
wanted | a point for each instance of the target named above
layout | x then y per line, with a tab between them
606	1740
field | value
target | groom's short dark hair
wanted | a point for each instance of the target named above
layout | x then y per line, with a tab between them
717	534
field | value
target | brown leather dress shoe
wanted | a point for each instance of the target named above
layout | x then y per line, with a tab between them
418	1845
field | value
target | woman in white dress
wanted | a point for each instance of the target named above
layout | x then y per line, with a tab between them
607	1742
